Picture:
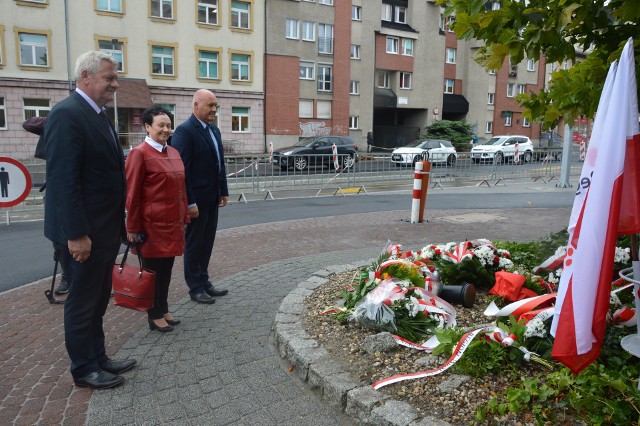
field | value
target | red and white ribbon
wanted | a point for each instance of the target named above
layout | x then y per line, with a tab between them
242	170
519	307
625	316
551	264
516	155
582	149
334	151
461	253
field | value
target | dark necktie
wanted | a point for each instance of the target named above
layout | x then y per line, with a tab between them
215	144
104	117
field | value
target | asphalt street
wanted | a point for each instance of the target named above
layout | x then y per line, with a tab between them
26	255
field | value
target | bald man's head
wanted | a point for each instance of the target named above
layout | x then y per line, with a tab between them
204	105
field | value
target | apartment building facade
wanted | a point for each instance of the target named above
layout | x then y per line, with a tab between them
282	69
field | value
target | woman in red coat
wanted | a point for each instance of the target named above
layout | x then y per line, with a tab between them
157	208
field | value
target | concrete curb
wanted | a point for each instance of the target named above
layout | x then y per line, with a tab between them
335	386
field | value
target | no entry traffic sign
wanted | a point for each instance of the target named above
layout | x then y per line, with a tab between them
15	182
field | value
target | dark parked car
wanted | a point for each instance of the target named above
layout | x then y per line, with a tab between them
316	152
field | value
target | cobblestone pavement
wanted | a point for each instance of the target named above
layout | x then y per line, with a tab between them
219	367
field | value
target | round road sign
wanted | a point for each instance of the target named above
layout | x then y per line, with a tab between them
15	182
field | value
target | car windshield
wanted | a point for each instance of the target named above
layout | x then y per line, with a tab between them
494	141
306	142
417	144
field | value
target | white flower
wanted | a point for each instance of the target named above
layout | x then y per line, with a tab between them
485	254
553	278
427	252
614	300
560	251
505	263
413	306
622	255
535	328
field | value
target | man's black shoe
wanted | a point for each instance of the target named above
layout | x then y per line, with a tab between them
63	287
118	367
99	380
214	292
203	298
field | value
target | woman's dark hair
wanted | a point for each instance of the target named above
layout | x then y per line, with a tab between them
152	111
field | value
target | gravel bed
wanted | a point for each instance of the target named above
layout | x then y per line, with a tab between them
447	396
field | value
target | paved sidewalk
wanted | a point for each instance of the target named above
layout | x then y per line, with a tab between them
220	366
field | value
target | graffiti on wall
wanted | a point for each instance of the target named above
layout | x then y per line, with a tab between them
320	128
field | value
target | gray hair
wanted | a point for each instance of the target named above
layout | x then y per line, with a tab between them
92	62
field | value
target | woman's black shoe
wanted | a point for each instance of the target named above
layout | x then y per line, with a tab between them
172	321
154	326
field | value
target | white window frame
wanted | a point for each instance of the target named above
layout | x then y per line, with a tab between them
401	14
526	122
488	127
308	27
405	80
384	76
208	62
392	45
407	46
522	89
356	13
507	121
241	117
3	114
450	20
565	65
33	46
492	72
108	7
354	87
443	23
292	30
511	90
240	66
327	85
355	51
449	85
320	106
354	122
325	43
118	55
386	14
491	98
305	105
160	4
239	14
307	70
37	110
326	2
531	65
206	6
451	55
162	57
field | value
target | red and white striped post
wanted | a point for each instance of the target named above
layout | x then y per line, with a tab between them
270	152
420	186
334	151
582	149
516	155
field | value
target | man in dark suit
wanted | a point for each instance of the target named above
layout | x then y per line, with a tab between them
84	212
200	146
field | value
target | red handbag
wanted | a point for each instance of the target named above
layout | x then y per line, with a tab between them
134	287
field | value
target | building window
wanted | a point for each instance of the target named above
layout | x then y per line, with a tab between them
162	9
305	108
491	98
208	64
450	21
240	15
383	80
489	127
306	70
308	31
327	2
507	121
38	3
405	80
401	15
449	84
522	89
115	48
451	56
387	12
354	87
565	65
36	108
526	122
407	47
324	109
492	72
162	60
442	25
531	65
292	29
3	115
34	49
208	12
355	51
325	39
240	67
113	6
392	45
356	13
240	120
324	77
354	122
511	90
495	5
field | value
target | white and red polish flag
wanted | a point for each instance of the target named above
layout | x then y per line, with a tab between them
607	204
